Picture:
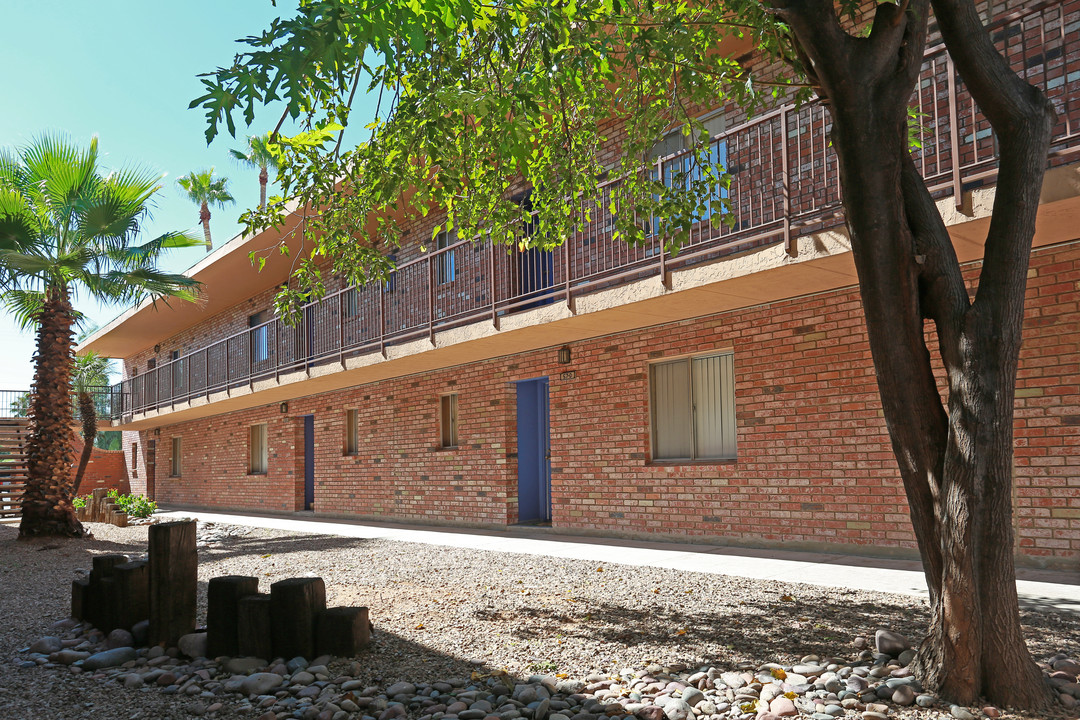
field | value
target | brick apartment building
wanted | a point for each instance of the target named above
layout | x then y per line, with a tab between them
724	394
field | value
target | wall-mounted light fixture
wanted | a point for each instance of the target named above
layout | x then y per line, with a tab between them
157	348
157	431
284	407
564	355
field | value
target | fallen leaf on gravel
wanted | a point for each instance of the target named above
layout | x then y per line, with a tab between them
420	626
681	632
266	555
786	598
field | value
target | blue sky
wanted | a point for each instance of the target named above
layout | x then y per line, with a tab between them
125	70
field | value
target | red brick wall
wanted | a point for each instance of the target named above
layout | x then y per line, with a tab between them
106	469
814	465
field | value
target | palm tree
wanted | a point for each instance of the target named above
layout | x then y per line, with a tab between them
67	228
90	374
257	155
203	189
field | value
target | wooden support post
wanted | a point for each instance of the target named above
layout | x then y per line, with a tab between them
223	595
98	595
174	578
295	603
342	631
97	497
253	627
80	593
132	593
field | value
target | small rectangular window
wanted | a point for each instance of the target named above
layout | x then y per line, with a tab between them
260	335
352	432
134	460
444	262
257	448
174	467
693	408
448	420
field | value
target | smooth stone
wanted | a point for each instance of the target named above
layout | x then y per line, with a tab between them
873	715
140	631
991	711
834	710
155	652
1067	666
193	645
676	709
570	687
119	638
925	701
891	643
296	664
906	657
903	695
961	713
783	707
67	657
649	712
133	680
243	665
303	678
47	645
109	658
692	696
261	683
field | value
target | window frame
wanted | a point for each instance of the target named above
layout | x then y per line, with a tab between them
176	453
449	424
259	465
691	409
260	335
445	269
352	433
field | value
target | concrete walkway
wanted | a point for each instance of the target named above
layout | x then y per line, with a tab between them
1044	589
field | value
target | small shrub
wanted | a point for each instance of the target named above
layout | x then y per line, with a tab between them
138	506
80	501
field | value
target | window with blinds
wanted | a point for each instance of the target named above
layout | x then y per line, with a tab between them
693	408
257	447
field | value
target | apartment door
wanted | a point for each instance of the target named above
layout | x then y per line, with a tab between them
534	451
309	461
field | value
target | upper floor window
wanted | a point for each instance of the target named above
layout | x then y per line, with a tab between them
174	467
352	432
681	170
448	420
444	263
693	408
260	335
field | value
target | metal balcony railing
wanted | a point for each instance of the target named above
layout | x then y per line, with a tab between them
784	183
16	403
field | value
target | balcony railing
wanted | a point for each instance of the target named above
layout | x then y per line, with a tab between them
784	183
16	403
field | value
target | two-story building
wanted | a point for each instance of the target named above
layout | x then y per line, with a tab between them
726	393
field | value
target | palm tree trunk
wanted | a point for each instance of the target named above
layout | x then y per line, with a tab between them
204	217
46	506
88	415
264	178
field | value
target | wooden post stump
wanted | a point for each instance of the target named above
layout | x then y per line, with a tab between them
173	581
342	631
295	603
253	627
132	593
223	596
99	596
80	593
97	498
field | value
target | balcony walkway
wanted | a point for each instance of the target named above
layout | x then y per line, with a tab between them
1045	590
784	186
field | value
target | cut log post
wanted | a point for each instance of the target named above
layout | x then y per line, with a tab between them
174	564
99	597
80	592
132	593
97	497
223	596
295	603
119	518
253	627
342	631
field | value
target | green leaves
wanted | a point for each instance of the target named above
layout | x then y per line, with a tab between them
66	226
502	115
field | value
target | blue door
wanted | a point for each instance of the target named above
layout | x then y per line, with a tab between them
309	461
534	451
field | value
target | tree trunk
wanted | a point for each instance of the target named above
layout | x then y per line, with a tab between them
204	218
88	416
46	506
264	178
956	465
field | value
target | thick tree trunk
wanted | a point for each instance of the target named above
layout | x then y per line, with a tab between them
46	505
956	465
204	218
88	416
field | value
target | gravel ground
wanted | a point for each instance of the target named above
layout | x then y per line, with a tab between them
442	613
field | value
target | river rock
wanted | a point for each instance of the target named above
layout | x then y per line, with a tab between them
47	645
119	638
261	683
243	665
961	713
109	658
891	643
193	644
903	695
